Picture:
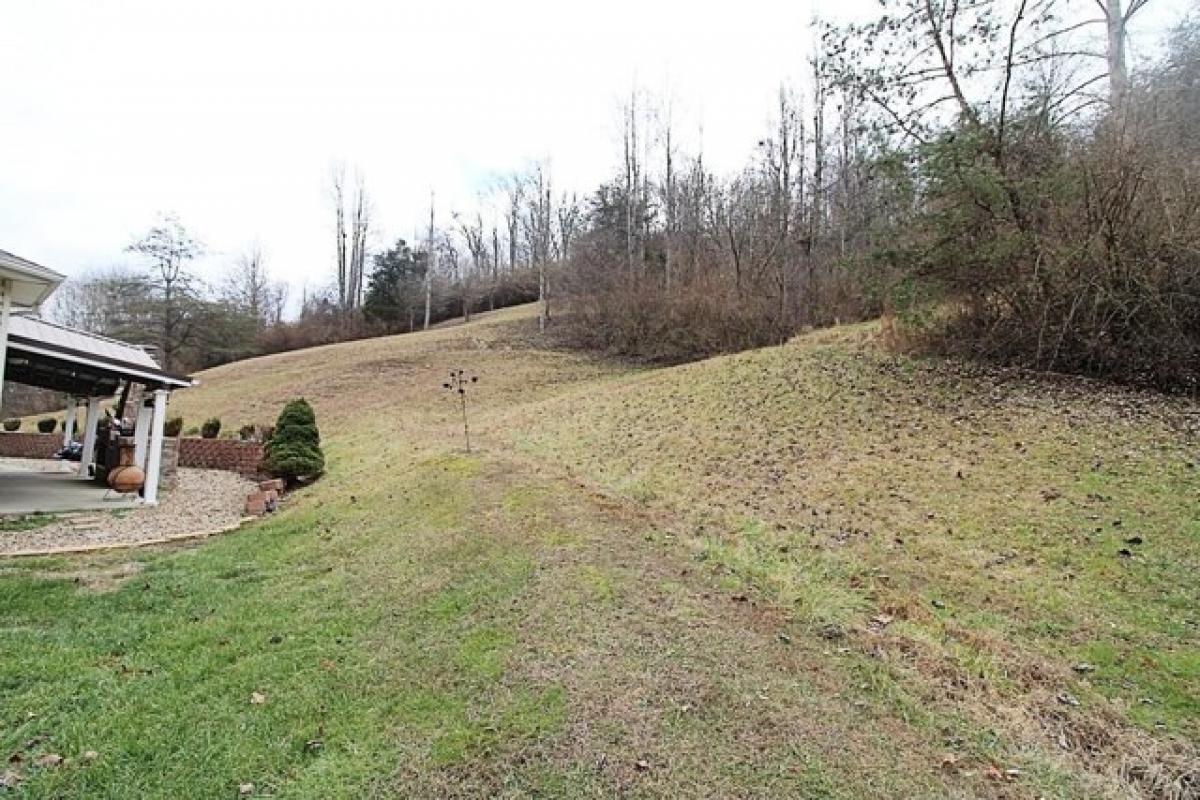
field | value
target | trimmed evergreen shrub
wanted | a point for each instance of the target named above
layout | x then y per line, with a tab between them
47	425
294	450
173	426
210	428
13	424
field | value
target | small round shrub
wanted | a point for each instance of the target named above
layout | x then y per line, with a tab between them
173	426
47	425
294	449
12	424
210	428
192	431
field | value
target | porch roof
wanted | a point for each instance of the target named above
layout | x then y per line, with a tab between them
51	356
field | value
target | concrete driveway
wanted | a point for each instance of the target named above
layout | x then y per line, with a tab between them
28	487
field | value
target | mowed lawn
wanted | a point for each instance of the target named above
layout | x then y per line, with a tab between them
816	570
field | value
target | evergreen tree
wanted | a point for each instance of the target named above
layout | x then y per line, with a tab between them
395	287
294	451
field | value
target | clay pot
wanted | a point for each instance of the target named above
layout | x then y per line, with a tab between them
126	479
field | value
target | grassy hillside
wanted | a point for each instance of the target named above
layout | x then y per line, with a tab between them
816	570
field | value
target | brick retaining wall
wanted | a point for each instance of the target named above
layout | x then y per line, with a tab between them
228	454
15	444
233	455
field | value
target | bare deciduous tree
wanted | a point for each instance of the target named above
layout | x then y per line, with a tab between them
249	286
170	248
430	263
350	245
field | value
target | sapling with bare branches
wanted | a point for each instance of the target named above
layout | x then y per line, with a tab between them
458	383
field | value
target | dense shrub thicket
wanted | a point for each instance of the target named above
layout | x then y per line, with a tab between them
999	210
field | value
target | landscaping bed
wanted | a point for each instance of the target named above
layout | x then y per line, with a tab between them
202	501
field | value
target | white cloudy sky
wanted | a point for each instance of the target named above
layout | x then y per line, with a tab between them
230	112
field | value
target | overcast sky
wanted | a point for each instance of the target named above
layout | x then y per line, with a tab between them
230	112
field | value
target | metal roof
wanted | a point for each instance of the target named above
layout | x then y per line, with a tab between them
42	352
32	283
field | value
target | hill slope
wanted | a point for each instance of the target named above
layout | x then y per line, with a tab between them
811	570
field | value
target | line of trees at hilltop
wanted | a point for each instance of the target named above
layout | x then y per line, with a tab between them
988	174
456	268
451	270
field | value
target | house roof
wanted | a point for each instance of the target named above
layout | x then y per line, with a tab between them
31	283
52	356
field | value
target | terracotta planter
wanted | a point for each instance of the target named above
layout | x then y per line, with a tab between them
126	479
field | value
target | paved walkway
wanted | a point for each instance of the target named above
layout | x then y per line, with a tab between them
24	492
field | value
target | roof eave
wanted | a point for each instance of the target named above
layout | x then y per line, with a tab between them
136	372
35	281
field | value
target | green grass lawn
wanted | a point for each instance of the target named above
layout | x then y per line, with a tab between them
809	571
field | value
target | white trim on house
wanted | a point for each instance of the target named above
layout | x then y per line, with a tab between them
31	283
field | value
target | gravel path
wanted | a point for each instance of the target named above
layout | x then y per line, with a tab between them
202	501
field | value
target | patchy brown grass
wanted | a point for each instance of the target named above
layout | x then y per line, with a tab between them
812	570
1003	527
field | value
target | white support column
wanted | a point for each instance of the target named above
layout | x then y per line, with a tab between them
5	308
154	457
141	435
89	435
69	422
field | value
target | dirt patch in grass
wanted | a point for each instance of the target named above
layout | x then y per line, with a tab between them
99	578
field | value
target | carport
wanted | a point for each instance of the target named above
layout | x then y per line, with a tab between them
87	367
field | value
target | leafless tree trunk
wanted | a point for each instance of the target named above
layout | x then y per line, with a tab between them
539	233
430	263
249	287
669	202
461	278
358	247
1116	23
495	268
568	218
783	162
633	181
472	233
817	195
512	217
338	185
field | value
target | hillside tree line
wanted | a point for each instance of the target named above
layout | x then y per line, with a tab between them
988	176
